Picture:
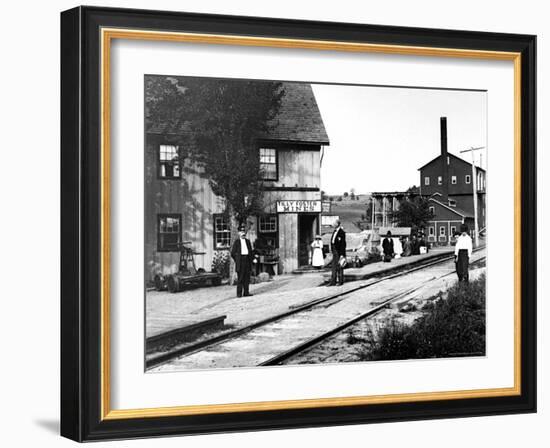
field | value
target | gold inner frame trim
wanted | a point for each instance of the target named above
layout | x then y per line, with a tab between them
107	35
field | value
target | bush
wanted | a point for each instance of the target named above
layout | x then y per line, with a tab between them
452	327
220	263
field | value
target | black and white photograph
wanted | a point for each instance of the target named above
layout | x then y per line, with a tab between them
291	223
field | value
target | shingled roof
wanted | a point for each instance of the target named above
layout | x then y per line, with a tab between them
298	120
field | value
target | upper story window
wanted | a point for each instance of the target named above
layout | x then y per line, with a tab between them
168	232
439	180
452	203
222	232
468	178
268	163
453	180
432	210
427	180
480	181
169	164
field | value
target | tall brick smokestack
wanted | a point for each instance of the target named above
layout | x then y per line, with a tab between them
444	162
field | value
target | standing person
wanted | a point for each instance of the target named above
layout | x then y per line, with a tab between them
463	252
407	247
243	255
317	260
415	245
387	247
338	248
422	244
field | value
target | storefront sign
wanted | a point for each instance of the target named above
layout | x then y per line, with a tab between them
298	206
326	207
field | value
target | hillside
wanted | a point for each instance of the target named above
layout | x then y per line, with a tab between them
350	211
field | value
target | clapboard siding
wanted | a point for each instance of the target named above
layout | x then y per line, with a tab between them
298	167
192	198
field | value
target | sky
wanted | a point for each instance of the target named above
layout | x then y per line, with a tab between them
380	136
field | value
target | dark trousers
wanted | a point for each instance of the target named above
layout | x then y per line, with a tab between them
243	276
337	271
462	265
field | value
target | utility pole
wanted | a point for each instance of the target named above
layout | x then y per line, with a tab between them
372	213
474	187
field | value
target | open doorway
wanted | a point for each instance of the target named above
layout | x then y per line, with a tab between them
307	228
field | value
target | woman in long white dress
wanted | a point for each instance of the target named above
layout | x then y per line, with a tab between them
317	259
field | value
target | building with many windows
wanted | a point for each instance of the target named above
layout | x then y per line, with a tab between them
180	205
449	181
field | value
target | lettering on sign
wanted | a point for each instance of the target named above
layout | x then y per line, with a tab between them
298	206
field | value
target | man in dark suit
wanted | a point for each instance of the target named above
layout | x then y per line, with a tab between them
243	255
387	247
338	249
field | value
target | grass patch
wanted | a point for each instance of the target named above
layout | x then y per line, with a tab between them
452	327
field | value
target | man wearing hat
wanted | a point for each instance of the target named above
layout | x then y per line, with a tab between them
242	254
338	249
387	247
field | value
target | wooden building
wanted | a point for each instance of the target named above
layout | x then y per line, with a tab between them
448	181
385	204
180	205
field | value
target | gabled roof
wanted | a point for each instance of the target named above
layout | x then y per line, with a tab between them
455	210
298	120
450	154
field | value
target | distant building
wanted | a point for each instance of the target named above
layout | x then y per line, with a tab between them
447	182
385	204
180	205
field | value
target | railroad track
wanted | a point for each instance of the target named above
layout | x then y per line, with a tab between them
272	324
317	340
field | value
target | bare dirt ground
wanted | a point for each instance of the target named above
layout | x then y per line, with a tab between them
352	344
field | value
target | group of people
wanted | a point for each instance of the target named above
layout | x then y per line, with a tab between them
244	256
402	247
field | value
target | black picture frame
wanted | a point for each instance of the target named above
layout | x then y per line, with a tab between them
81	209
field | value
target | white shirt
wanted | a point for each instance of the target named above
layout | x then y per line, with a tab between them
464	242
334	235
244	247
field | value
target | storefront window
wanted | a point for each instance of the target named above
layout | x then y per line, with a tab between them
222	232
268	231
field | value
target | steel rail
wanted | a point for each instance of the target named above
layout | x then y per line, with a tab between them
163	358
278	359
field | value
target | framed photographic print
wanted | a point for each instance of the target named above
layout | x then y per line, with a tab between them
276	224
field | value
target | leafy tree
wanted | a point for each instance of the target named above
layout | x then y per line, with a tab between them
414	212
345	194
219	123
